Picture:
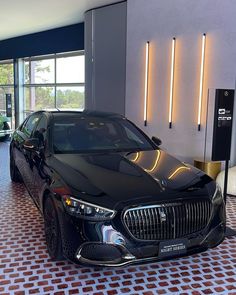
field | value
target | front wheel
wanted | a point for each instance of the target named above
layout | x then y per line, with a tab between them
14	172
52	230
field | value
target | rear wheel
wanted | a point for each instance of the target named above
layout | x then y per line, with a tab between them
52	230
14	172
7	136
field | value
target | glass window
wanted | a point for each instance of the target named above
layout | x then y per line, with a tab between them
54	81
70	69
39	98
75	134
41	130
30	124
26	72
42	123
7	87
3	91
70	97
6	73
42	71
132	136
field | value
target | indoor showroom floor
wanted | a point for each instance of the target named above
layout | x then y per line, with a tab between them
25	267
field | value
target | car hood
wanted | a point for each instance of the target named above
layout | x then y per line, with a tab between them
120	177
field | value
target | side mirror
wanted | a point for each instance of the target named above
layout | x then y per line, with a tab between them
31	144
156	140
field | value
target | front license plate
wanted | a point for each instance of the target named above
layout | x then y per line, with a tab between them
172	248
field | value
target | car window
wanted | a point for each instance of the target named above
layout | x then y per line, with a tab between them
132	136
21	128
40	130
42	123
91	134
30	124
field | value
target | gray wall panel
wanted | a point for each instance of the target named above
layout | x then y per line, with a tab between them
106	68
88	42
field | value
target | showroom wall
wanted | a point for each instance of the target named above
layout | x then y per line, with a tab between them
186	20
105	58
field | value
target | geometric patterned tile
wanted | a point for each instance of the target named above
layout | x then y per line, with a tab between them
25	267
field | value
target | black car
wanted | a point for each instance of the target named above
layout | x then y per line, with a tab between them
109	195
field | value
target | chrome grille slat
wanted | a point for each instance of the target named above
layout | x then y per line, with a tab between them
167	220
157	220
160	224
152	221
176	212
178	220
195	215
198	221
148	216
203	217
170	222
191	217
140	223
145	225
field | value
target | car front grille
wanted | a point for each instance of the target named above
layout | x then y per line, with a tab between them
168	220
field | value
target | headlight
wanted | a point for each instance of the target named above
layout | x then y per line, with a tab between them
218	197
86	210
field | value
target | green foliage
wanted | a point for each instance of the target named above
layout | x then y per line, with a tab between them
43	98
70	99
26	72
37	98
6	74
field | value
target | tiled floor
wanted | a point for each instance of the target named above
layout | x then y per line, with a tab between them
25	267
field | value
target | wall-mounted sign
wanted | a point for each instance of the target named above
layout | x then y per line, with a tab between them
222	130
8	105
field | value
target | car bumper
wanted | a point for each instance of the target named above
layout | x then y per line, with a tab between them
5	132
106	244
111	254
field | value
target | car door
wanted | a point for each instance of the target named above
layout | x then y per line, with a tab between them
17	147
23	156
37	167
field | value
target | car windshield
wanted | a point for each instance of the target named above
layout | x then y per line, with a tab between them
85	134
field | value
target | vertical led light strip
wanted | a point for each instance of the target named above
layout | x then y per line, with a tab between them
201	81
172	82
146	84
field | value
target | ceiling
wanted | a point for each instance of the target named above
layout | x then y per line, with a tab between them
20	17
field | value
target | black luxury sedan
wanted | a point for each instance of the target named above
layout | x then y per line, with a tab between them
108	194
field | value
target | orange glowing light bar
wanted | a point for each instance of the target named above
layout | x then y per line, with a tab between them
201	81
146	84
171	82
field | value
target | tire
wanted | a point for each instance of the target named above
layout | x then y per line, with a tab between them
7	136
14	172
52	230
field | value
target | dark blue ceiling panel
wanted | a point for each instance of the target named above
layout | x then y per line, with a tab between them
64	39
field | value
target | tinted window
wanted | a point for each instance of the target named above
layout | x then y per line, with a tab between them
41	130
30	124
90	134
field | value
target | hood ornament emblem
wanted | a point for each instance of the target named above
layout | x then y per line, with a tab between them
162	216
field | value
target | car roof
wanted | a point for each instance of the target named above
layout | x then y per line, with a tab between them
86	113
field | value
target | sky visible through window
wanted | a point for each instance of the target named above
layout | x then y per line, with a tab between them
47	89
69	70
